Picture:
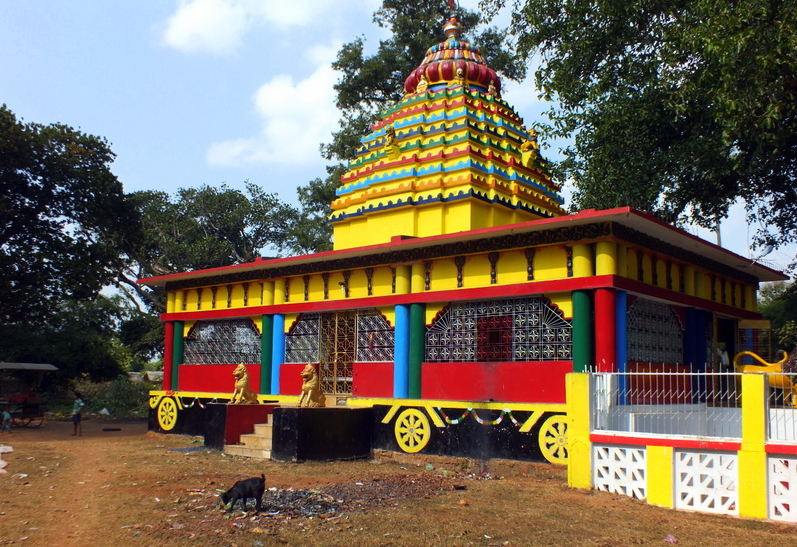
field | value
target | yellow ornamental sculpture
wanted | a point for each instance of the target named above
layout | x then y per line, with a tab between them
243	393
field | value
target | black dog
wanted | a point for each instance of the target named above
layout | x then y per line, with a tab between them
243	490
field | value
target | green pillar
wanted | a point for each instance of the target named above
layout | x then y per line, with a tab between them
583	347
417	347
266	333
178	353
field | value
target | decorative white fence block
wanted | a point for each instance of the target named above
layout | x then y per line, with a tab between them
706	481
782	487
620	470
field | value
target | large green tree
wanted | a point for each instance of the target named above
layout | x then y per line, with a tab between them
204	227
370	83
64	219
676	107
81	338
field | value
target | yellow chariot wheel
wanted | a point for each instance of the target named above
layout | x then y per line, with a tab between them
167	414
413	430
553	439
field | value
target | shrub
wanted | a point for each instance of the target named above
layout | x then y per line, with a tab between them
120	396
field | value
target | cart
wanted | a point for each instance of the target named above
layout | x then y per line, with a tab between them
27	409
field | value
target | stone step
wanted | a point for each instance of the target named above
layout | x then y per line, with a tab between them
264	429
247	451
255	440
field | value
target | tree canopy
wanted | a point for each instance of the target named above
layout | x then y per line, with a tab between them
370	83
204	227
678	108
63	218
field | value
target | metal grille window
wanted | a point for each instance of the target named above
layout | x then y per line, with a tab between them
525	329
654	333
222	342
375	337
302	342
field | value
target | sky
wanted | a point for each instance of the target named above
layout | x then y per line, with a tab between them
205	92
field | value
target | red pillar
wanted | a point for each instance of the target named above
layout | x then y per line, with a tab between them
168	349
605	330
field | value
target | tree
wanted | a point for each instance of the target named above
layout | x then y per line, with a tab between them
778	303
199	228
63	218
369	84
80	337
678	108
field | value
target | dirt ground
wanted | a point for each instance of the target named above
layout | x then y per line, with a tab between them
118	485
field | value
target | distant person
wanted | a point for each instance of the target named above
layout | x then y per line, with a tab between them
6	421
723	360
77	410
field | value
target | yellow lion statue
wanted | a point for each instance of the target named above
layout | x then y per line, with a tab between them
311	389
243	393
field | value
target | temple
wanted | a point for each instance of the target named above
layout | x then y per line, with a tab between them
458	294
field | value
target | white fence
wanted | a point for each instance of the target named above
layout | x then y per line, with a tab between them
671	404
687	404
675	439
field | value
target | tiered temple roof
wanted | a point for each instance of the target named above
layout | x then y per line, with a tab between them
450	156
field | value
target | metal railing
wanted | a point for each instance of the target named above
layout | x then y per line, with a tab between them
781	414
667	404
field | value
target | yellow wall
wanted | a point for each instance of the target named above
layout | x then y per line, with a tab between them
549	263
444	274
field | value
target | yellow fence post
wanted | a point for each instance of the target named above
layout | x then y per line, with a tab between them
752	468
579	464
660	476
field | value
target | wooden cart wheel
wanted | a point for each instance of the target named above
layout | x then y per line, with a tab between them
167	414
412	430
553	439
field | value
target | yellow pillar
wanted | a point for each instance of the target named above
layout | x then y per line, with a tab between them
579	449
689	281
752	462
403	279
170	298
268	293
583	265
622	260
418	283
606	258
179	300
660	476
279	291
752	299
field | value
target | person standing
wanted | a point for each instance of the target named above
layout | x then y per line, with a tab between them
77	410
6	421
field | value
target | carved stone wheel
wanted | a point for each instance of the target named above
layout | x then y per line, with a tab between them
412	430
553	439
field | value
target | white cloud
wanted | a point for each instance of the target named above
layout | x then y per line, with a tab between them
296	118
219	26
216	26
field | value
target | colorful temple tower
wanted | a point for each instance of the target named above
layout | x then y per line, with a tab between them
458	294
451	156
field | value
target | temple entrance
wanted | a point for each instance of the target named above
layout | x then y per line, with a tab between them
337	351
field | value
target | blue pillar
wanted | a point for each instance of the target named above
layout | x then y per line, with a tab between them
621	325
689	341
277	351
401	352
621	322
